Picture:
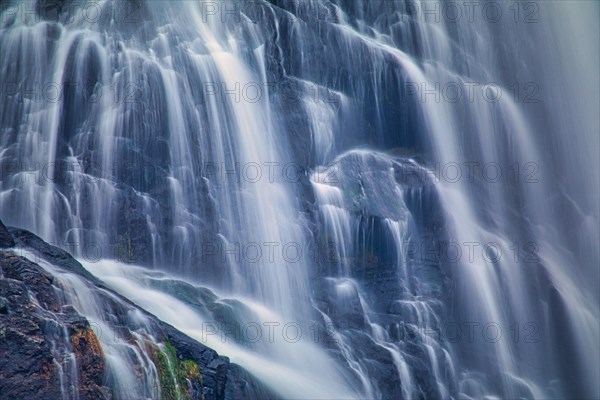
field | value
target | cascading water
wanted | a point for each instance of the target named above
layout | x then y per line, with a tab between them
120	354
377	199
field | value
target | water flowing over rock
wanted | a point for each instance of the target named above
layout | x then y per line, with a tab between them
50	350
317	199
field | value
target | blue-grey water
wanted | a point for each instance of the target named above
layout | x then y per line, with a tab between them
379	199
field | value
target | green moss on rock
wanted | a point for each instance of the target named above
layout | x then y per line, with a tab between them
179	379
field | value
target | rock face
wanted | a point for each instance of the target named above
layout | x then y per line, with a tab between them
49	349
6	239
28	367
318	78
393	213
90	366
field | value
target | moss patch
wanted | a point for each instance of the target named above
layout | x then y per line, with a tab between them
179	379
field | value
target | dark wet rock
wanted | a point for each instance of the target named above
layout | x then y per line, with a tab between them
241	385
390	198
90	360
31	349
339	299
6	239
34	318
26	240
131	244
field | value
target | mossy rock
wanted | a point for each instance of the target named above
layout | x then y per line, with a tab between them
179	379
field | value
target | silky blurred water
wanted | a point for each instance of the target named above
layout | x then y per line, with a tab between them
183	136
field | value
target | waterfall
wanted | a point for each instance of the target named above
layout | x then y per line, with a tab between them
367	199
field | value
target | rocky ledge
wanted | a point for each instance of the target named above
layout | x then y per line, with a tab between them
49	350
